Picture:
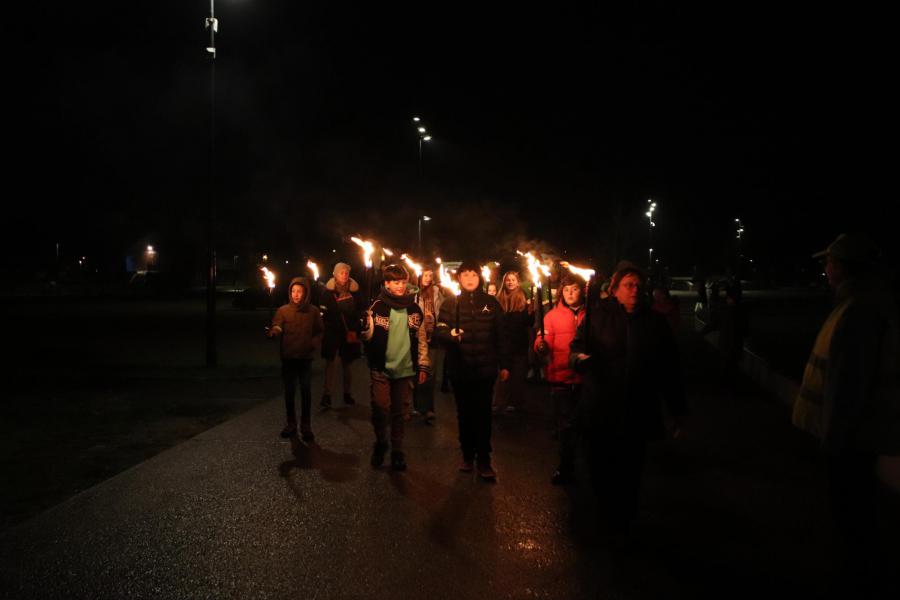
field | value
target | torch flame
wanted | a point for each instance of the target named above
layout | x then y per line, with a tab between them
388	252
534	266
486	273
269	276
314	268
447	281
582	272
368	249
413	265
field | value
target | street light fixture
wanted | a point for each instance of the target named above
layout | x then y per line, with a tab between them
650	210
739	230
422	218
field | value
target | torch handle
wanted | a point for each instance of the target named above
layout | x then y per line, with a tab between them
587	316
458	298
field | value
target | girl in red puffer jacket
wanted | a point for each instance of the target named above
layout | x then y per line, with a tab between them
559	331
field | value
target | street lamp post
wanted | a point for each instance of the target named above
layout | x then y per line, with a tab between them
212	25
651	208
739	230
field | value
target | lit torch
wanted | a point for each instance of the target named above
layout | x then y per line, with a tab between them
587	275
314	268
448	283
269	276
368	249
535	268
486	275
416	267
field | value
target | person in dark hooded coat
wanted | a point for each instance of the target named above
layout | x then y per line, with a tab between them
299	324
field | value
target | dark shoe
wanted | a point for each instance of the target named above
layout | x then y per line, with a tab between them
485	471
378	453
466	465
562	478
326	401
306	433
348	399
398	461
290	430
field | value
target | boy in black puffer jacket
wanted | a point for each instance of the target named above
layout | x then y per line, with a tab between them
469	325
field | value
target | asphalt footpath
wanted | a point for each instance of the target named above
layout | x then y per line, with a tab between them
731	508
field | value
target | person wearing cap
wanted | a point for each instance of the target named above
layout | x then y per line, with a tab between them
341	309
629	360
477	347
299	324
850	400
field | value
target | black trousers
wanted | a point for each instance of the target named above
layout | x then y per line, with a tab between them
617	465
565	410
473	413
292	371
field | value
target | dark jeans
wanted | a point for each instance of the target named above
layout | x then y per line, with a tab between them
617	464
565	410
389	397
292	370
473	413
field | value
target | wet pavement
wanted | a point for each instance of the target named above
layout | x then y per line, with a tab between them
733	508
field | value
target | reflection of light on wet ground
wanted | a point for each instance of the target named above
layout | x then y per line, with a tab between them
528	546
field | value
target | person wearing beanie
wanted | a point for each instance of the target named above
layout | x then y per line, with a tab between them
300	326
469	326
397	351
340	305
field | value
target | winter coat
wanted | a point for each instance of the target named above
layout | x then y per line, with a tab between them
560	325
341	314
517	328
484	346
633	367
375	336
430	319
299	325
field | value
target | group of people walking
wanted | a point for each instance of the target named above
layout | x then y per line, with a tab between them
610	366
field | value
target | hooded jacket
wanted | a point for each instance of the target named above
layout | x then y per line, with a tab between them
300	325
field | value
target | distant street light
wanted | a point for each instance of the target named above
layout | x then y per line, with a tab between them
212	25
650	210
739	231
422	218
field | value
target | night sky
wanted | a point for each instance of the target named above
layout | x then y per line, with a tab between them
550	125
